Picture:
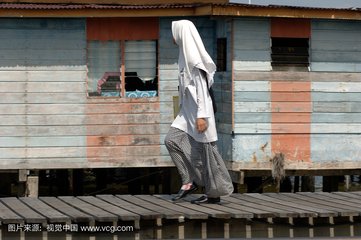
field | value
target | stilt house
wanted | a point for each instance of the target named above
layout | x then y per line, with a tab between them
90	83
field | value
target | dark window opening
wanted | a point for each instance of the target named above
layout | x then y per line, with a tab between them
107	60
290	54
222	54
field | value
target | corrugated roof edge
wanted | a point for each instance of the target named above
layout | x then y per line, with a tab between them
321	4
55	6
286	6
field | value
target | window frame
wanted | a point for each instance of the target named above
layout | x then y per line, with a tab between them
293	29
129	29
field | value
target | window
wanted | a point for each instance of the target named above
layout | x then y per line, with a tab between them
290	44
104	64
221	54
122	63
290	54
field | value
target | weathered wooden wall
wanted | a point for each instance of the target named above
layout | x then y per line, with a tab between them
43	85
47	119
336	122
251	50
223	93
312	117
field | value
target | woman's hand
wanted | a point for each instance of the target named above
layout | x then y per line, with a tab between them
201	125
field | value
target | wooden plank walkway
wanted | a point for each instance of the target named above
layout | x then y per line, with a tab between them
133	209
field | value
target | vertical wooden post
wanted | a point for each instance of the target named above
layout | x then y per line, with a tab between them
23	177
270	227
248	230
204	230
296	187
158	228
291	231
32	186
226	230
181	227
347	182
44	235
115	225
332	229
310	230
352	230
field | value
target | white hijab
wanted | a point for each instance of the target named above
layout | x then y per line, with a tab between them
192	52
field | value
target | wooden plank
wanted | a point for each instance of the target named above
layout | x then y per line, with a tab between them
9	216
89	108
188	213
144	118
346	148
216	213
143	212
42	131
352	195
336	117
336	97
261	199
336	76
166	212
284	200
29	215
335	66
343	87
337	202
47	163
258	212
75	214
236	211
276	209
50	141
336	107
122	213
55	87
295	128
346	199
122	140
120	151
99	214
230	208
53	215
342	211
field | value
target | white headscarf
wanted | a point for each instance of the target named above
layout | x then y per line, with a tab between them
192	52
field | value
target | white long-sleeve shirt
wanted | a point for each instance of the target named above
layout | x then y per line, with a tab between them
195	102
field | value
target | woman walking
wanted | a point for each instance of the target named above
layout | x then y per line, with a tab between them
192	135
